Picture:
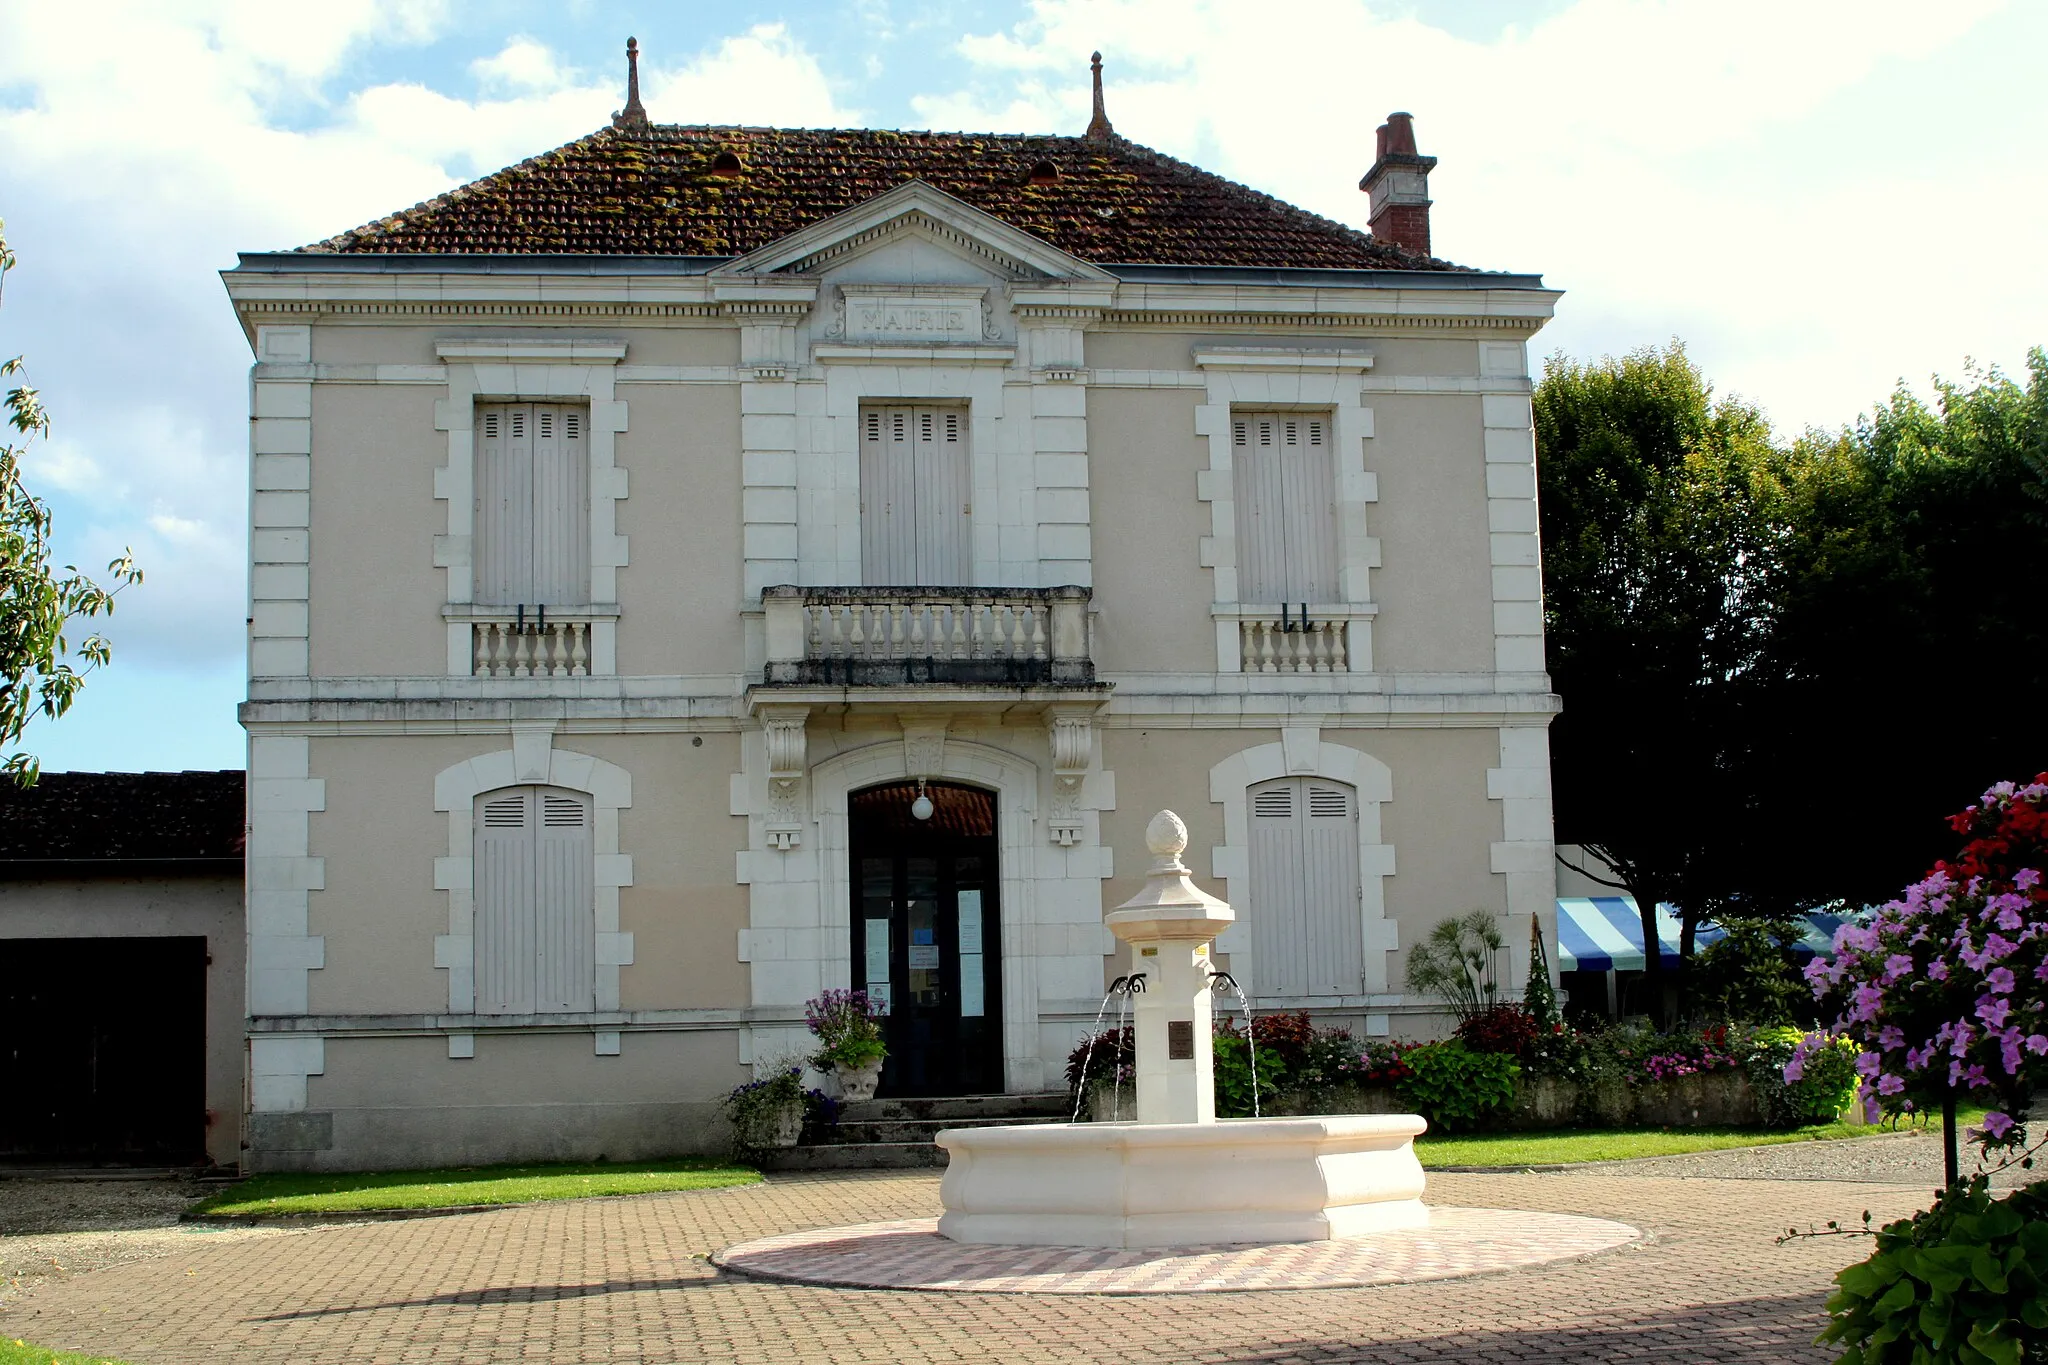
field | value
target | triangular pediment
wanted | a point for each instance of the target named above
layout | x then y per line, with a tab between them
918	209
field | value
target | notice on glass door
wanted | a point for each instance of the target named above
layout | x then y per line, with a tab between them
972	1002
970	921
924	957
877	939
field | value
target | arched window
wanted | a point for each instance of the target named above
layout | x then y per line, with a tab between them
1307	936
536	927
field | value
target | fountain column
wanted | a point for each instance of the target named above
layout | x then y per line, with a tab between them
1170	925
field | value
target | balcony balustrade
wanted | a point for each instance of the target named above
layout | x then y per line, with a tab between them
1292	645
882	637
522	644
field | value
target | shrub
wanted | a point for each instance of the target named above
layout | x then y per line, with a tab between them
1826	1088
1752	974
1380	1064
848	1026
1452	1086
1233	1072
1506	1029
1108	1058
1961	1281
1456	963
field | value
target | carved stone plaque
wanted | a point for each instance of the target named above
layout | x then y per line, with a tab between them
1180	1040
927	314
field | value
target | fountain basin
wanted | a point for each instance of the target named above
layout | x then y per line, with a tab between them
1183	1184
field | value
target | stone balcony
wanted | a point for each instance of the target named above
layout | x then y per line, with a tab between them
920	637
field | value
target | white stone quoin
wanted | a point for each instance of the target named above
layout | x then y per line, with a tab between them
1179	1176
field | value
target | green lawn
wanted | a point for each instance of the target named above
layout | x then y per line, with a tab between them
369	1190
1610	1144
14	1352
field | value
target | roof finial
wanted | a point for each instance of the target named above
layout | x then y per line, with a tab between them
634	115
1098	127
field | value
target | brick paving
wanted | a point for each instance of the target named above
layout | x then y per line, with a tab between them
910	1254
629	1280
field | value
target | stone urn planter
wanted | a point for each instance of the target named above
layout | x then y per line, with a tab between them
857	1083
777	1127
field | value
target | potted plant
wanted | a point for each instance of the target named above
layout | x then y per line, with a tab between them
767	1113
848	1026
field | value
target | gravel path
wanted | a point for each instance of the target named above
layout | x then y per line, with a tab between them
1912	1158
53	1229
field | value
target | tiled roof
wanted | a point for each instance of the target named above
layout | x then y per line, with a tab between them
656	192
99	816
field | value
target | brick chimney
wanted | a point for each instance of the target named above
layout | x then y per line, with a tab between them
1399	185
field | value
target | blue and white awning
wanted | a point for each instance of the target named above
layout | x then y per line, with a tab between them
1605	933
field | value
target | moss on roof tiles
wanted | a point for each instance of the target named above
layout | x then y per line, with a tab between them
655	193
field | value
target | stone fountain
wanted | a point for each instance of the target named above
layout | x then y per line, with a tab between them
1179	1176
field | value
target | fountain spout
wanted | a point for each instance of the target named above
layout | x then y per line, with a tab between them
1170	925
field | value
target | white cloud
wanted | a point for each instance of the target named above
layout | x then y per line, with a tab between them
1762	179
140	156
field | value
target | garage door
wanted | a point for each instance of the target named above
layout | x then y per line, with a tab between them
103	1049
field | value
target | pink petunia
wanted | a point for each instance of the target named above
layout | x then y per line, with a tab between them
2027	878
1889	1084
1999	980
1997	1124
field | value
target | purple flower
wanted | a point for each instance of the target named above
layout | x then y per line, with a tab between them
2000	980
1937	970
1891	1036
1993	1010
2027	878
1868	1063
1795	1069
1896	966
2037	1043
1889	1084
1997	1124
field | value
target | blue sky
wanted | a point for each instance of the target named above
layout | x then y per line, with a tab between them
1821	198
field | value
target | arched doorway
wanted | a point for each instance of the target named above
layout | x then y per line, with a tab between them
926	938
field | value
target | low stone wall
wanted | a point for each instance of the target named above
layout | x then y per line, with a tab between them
1718	1099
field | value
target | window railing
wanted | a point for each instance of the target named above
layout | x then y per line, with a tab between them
529	642
879	637
1297	642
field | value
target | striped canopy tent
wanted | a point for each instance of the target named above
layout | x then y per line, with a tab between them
1605	933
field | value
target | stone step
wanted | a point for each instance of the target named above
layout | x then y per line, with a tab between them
1045	1104
846	1133
856	1156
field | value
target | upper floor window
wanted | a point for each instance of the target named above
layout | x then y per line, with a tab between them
1286	488
1307	931
536	902
532	505
915	497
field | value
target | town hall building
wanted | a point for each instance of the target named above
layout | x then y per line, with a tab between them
702	566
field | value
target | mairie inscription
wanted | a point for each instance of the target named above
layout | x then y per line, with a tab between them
919	316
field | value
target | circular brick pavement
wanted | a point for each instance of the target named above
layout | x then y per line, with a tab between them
910	1254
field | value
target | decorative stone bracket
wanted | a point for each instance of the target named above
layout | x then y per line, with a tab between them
783	728
1072	732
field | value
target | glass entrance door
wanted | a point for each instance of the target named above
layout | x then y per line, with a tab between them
924	931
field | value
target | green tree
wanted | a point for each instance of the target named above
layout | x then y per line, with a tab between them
1660	512
1911	637
38	604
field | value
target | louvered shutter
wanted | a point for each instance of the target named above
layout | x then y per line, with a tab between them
1306	934
561	506
1285	484
565	936
532	529
1279	909
505	902
535	902
914	482
503	555
1329	873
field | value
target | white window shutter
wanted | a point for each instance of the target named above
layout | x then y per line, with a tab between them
504	504
535	907
561	506
504	925
1279	907
1285	483
1307	939
565	909
915	479
1336	956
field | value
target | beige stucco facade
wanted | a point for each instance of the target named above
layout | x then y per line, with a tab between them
717	754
